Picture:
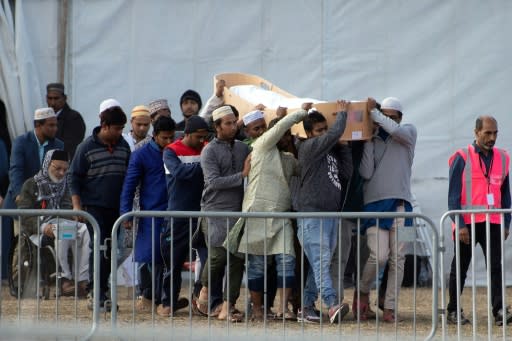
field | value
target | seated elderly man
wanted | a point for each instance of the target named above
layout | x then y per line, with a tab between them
49	189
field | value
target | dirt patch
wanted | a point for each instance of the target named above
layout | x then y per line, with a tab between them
415	311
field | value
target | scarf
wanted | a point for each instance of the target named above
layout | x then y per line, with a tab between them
49	192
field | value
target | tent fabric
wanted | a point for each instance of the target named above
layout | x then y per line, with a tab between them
447	61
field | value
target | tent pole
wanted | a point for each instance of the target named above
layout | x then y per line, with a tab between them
62	40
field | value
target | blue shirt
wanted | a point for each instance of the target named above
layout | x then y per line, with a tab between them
386	205
41	148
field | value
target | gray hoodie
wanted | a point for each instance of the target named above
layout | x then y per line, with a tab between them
325	170
386	164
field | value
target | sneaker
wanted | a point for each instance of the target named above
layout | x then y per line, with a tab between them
143	304
500	317
309	314
452	318
337	312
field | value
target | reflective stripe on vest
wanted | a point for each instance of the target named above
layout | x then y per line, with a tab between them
475	187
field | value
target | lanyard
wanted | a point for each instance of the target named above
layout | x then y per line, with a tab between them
487	170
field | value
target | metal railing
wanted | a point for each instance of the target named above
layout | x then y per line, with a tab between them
60	235
406	234
446	219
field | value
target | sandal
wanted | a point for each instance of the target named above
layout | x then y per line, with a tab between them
257	314
200	306
287	315
234	315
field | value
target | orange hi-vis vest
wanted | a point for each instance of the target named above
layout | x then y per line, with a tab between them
477	183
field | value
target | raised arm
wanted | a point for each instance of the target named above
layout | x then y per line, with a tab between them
270	138
318	147
215	101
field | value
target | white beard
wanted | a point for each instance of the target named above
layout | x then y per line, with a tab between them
54	179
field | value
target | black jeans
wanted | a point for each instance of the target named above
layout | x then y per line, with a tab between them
106	218
176	241
465	259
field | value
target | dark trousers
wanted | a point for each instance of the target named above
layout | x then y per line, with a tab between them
7	240
465	259
215	284
216	264
106	218
146	275
175	249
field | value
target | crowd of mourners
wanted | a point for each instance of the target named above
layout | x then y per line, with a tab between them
216	159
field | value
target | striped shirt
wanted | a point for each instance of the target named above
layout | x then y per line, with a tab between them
98	170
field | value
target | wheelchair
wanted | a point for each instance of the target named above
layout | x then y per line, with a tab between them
23	267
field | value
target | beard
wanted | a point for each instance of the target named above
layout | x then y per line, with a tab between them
54	178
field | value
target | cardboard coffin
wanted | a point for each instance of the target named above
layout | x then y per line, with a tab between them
359	123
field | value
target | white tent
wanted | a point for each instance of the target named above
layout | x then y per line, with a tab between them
448	61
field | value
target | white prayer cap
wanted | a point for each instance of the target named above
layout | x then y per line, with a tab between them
221	112
391	103
109	103
43	114
253	116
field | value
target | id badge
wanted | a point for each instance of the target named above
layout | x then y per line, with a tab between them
490	199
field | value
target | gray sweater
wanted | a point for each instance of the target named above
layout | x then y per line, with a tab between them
326	168
222	163
386	164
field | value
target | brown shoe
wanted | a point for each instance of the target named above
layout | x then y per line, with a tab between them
67	287
83	289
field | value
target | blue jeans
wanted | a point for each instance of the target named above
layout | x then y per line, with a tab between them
318	238
285	267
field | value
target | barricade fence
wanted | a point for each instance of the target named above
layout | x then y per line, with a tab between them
44	272
279	314
418	308
489	308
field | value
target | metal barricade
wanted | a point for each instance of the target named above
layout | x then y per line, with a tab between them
476	328
189	325
44	324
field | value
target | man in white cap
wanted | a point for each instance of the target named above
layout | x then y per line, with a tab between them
140	121
97	174
254	125
225	165
28	151
386	170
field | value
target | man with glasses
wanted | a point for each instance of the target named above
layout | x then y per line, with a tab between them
49	189
185	183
